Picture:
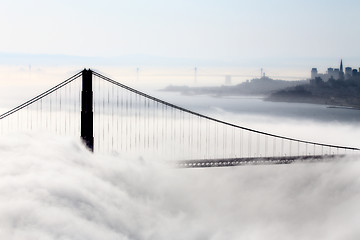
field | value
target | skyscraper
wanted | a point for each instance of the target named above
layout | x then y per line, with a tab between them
341	66
314	73
348	72
341	74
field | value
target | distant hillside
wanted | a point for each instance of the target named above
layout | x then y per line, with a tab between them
333	92
258	86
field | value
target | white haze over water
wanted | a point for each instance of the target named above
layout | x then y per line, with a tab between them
53	188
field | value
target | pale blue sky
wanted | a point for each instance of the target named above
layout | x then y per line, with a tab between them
226	30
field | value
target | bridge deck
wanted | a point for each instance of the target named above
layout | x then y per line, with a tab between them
229	162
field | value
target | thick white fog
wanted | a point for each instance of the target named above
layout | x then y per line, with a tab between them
53	188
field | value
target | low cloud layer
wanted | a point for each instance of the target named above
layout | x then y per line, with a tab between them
52	188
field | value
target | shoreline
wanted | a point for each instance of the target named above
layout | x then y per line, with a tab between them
320	102
344	107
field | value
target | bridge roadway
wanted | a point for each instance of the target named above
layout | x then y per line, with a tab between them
229	162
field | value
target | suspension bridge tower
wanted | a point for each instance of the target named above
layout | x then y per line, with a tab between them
87	126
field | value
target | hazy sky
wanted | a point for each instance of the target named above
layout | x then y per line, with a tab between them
211	30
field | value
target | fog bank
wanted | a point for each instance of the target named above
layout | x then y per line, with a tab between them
53	188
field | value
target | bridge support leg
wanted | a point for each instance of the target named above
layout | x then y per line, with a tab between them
87	125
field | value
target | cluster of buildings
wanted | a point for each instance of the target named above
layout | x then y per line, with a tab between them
336	73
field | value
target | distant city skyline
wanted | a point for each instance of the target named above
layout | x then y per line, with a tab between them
336	73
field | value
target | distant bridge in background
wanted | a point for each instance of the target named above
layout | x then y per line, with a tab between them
112	117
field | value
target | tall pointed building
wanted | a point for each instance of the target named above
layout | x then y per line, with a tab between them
341	74
341	66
